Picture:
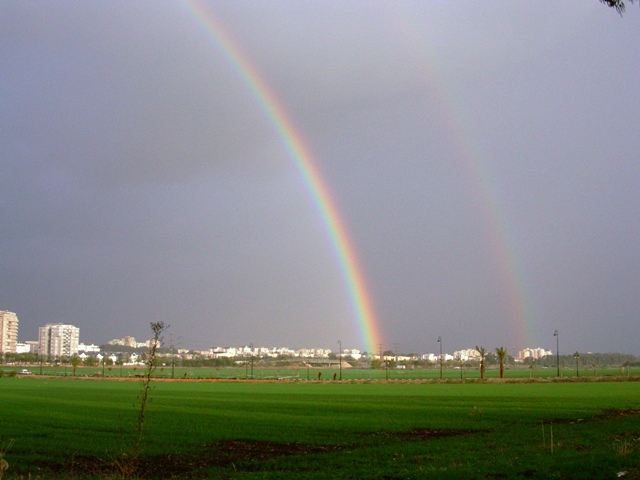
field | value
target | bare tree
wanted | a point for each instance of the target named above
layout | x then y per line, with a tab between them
127	464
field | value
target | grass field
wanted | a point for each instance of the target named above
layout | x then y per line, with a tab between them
270	372
79	428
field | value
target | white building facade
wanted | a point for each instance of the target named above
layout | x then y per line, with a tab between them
58	340
8	332
534	353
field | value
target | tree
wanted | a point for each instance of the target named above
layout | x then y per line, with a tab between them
127	463
482	353
91	361
617	4
502	354
75	360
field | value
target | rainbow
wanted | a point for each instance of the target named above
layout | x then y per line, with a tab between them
295	145
516	306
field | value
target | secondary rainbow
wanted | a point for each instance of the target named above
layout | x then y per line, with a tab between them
303	159
516	305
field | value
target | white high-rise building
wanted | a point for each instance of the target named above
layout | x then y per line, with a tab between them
58	340
8	332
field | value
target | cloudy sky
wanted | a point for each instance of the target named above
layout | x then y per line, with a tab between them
484	158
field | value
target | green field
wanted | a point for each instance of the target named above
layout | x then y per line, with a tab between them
79	428
271	372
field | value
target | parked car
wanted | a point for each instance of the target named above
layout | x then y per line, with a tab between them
24	371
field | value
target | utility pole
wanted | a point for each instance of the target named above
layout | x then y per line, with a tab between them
396	349
251	346
340	343
173	360
555	334
440	342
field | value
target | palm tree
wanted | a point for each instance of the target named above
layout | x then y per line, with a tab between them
482	353
502	354
75	360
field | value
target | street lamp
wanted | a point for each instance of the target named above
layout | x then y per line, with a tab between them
440	342
340	343
577	357
555	334
173	358
251	346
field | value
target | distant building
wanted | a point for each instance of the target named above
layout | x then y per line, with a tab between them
8	332
27	347
150	343
430	357
467	354
88	348
353	353
124	342
534	353
58	340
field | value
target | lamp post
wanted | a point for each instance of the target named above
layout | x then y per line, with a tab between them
340	343
251	346
577	357
440	342
555	334
173	358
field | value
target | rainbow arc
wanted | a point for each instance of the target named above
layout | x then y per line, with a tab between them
304	161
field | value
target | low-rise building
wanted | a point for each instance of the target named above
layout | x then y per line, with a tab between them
91	348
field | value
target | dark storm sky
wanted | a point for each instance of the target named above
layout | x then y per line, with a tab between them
141	181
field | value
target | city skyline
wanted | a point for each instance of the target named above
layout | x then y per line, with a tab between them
72	345
11	331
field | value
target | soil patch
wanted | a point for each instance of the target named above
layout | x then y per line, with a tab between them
236	454
422	433
603	416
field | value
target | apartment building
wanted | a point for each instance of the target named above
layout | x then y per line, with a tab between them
58	340
8	332
534	353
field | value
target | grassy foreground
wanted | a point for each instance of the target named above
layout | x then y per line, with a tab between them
79	428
